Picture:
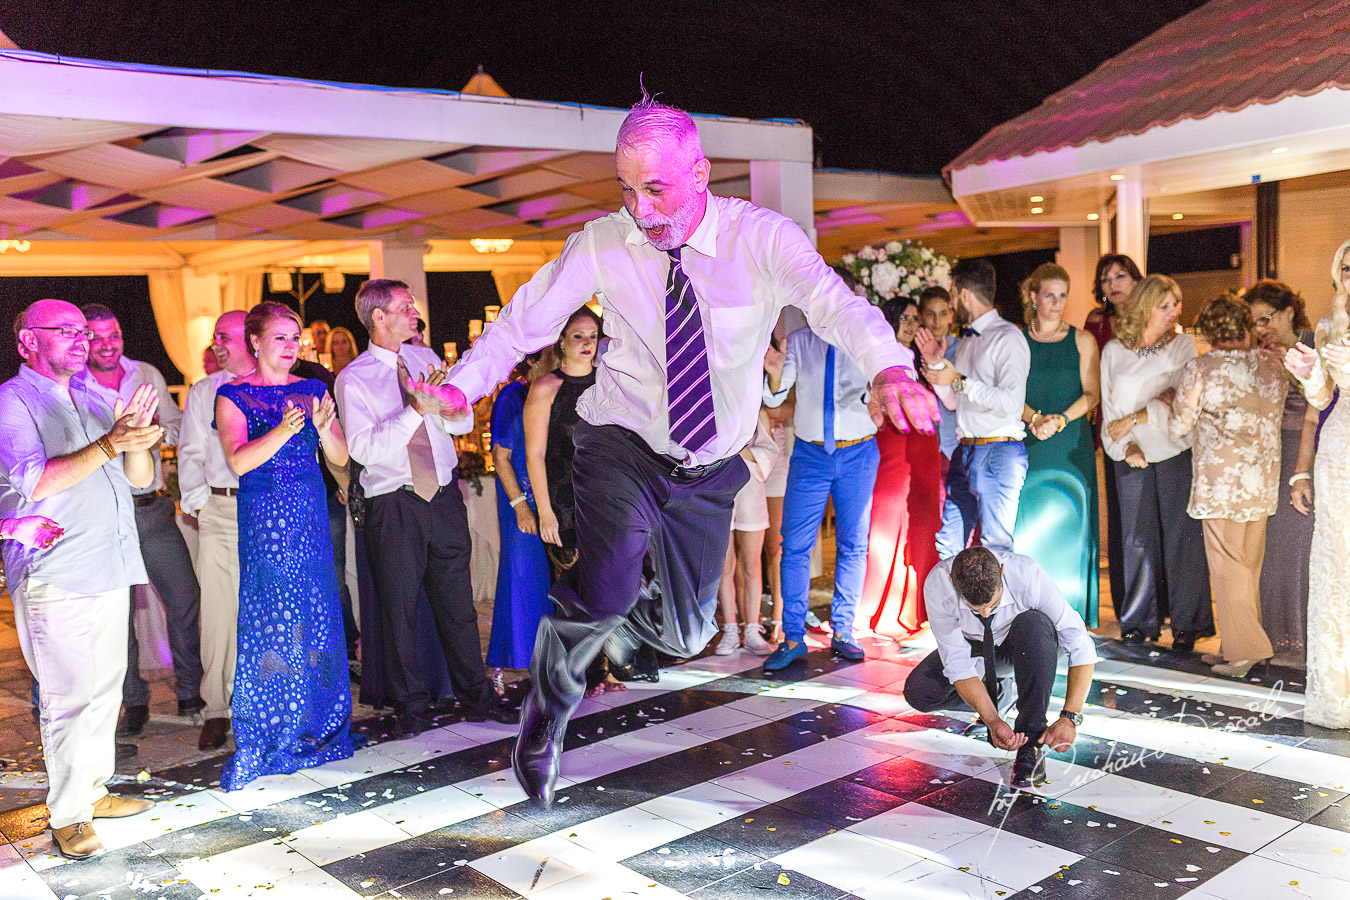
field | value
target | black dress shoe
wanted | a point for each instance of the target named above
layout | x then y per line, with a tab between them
407	725
1183	641
1133	636
535	756
498	712
133	721
213	734
191	707
1029	766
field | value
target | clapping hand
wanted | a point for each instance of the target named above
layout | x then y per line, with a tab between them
428	402
134	429
448	401
38	532
292	419
1300	361
1338	355
773	361
933	351
324	412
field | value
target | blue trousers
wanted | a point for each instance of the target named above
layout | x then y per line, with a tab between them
815	476
984	484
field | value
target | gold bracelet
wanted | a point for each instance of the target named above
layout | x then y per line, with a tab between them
106	445
1063	422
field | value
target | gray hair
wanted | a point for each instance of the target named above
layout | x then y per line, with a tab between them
651	122
375	294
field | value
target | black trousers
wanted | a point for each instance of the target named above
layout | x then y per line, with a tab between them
169	566
1165	564
411	544
1027	654
628	503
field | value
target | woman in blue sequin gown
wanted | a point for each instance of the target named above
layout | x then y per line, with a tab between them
292	698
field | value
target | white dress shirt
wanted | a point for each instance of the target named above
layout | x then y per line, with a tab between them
995	362
804	366
1130	383
379	426
201	456
1025	586
135	374
745	264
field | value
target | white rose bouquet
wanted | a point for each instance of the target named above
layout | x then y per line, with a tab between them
898	269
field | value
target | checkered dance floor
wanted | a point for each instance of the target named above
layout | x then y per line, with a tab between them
719	783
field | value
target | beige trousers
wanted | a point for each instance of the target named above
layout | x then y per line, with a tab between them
76	647
1235	551
218	573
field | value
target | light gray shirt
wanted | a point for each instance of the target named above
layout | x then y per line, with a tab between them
996	362
201	456
40	420
135	374
1025	586
804	366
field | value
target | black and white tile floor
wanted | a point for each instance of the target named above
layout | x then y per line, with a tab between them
718	783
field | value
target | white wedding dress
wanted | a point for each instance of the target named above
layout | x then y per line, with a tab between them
1328	689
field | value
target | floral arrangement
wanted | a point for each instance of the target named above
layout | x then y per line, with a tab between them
898	269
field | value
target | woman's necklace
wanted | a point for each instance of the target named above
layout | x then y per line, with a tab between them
1046	338
1150	349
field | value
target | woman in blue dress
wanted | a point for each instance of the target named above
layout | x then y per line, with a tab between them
522	597
292	698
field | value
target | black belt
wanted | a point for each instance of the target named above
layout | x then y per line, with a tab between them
676	468
412	490
143	500
224	492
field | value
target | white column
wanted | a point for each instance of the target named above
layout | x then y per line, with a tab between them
1132	222
402	260
1078	255
785	187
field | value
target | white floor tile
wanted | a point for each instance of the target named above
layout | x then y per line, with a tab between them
917	829
819	689
1007	858
430	810
482	732
1128	799
18	881
426	746
1226	824
772	708
594	761
1309	766
1258	878
773	780
344	836
845	860
1312	847
875	673
538	865
604	881
500	789
625	833
656	741
702	806
245	868
891	736
837	758
929	880
270	789
719	721
363	763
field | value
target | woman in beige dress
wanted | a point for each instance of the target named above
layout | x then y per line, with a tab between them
1232	399
1320	371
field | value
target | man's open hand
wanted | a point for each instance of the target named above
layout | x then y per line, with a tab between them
897	396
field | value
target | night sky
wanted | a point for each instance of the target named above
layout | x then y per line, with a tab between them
893	86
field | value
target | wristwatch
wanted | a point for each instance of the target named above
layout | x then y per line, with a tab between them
1075	718
959	385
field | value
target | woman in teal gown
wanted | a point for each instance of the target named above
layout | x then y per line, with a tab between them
1057	514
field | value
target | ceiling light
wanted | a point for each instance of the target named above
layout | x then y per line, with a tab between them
1117	177
1092	217
1280	150
20	246
1037	199
491	245
1178	216
1037	210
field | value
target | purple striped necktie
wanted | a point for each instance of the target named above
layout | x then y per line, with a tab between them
688	382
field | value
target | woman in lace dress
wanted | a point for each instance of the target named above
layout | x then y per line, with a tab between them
1232	399
1320	371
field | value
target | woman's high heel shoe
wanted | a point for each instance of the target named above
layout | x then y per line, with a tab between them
1240	667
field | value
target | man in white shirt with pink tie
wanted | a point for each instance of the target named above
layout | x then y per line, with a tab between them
691	286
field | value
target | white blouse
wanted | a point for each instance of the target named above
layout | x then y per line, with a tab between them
1130	383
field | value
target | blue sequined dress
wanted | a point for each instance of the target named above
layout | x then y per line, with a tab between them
292	697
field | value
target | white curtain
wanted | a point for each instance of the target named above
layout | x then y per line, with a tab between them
187	305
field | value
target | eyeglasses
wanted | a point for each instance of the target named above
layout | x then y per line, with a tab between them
67	331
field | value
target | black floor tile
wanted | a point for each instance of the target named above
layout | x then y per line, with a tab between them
211	839
1337	816
769	879
1178	773
1167	856
1075	828
833	720
666	776
1090	879
907	779
768	831
841	803
578	804
456	883
692	862
981	801
98	873
772	739
1277	796
706	762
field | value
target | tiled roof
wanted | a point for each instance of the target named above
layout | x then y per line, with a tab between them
1224	56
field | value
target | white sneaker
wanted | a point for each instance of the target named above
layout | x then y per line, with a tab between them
754	640
730	638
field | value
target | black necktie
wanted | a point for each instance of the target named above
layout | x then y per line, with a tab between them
987	650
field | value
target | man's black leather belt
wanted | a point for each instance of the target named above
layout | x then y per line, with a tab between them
674	466
410	489
224	492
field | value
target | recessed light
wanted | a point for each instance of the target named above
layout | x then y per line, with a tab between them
1178	216
1280	150
1037	210
1092	217
1117	177
1037	199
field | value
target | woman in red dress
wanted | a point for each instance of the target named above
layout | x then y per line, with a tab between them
906	514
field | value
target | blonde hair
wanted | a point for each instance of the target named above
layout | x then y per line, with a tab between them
1046	271
1133	318
1334	325
351	339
